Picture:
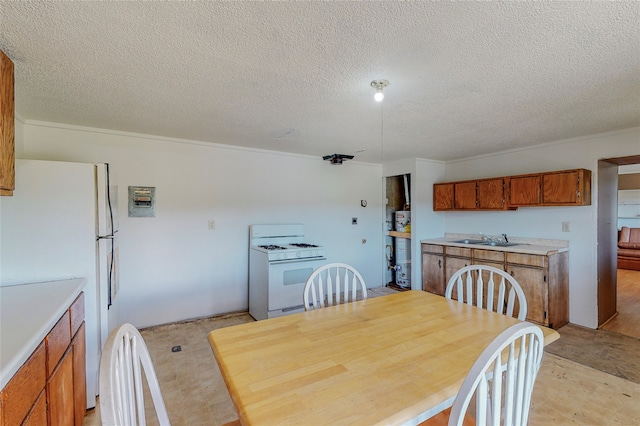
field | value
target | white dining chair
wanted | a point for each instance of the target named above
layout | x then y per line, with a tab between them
333	284
502	379
489	288
124	358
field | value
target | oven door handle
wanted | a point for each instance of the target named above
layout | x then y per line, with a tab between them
306	259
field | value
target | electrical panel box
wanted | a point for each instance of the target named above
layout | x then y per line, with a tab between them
142	201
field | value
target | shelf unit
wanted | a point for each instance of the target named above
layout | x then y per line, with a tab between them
398	234
397	244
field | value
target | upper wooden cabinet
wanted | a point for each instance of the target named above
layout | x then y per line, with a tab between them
7	113
491	194
570	187
443	196
465	195
479	194
559	188
524	190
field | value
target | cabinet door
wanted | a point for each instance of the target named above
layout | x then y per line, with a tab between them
561	188
524	190
452	264
7	118
534	285
79	375
433	273
486	275
442	196
465	195
38	414
60	392
491	194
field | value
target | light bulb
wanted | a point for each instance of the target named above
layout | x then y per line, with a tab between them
379	96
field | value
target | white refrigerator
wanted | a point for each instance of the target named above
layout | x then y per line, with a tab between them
61	223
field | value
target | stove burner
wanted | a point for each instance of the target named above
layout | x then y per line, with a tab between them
303	245
272	247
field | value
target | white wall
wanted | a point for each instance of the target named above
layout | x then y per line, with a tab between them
171	266
546	222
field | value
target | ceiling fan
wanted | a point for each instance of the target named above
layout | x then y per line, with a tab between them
337	158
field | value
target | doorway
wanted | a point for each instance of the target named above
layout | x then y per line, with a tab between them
608	235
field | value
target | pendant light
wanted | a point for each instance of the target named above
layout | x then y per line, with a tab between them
379	96
379	85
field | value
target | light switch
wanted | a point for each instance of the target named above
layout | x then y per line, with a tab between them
566	227
354	220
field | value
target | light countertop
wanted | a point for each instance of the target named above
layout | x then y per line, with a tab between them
27	313
537	246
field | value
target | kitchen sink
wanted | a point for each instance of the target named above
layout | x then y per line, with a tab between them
486	243
469	241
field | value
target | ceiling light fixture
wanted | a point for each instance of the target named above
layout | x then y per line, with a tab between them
379	85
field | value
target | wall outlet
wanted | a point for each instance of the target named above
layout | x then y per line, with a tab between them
566	227
212	225
354	220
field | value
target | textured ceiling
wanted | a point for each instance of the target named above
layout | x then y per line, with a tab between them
467	78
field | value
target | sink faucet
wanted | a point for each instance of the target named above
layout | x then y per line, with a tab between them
506	240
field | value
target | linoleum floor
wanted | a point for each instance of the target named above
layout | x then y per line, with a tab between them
565	392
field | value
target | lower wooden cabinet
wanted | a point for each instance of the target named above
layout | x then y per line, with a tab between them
38	414
439	263
544	278
22	392
78	345
545	282
433	268
50	387
455	258
60	392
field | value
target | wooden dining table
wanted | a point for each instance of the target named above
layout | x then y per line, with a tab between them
389	360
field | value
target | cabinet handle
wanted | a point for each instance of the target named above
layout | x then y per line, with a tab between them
439	263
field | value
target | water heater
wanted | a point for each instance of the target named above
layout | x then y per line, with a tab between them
403	262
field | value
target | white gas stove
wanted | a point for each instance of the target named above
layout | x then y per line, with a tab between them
279	264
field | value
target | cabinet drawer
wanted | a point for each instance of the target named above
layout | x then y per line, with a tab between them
23	389
432	248
458	251
77	313
526	259
57	342
491	255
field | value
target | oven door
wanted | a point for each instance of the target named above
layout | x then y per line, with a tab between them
287	279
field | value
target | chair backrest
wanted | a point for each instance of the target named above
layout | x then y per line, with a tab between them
502	379
333	284
124	358
489	288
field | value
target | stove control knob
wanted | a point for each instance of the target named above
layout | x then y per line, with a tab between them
298	254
